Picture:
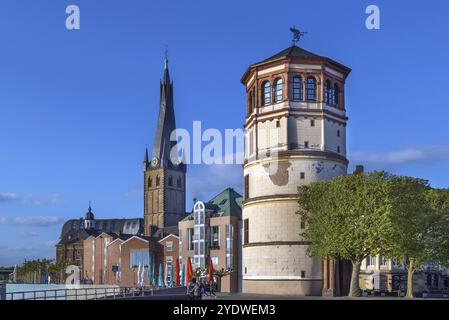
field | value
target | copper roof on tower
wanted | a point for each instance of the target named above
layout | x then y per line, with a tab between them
295	52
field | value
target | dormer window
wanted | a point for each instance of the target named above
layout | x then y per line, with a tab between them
278	90
266	92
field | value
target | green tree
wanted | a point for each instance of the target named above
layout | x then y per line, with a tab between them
420	227
439	203
347	218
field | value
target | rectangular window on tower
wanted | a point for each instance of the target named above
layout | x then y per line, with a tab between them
246	231
306	144
312	123
251	143
246	186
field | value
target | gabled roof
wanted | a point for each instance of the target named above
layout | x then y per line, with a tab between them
168	236
75	235
141	238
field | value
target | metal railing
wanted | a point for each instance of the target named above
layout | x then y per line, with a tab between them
93	293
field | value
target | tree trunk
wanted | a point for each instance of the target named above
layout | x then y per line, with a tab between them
410	272
354	290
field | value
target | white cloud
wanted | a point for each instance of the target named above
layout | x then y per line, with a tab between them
29	234
134	193
37	221
207	180
50	243
8	196
17	248
53	199
412	155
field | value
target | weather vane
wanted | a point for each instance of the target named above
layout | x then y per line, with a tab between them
297	34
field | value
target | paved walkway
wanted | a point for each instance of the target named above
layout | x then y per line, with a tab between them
245	296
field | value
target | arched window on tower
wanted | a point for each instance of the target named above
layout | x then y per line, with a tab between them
170	181
179	182
158	181
266	93
297	88
328	92
278	90
311	89
150	182
336	94
254	99
250	103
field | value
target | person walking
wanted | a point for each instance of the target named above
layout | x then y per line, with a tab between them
191	288
212	288
197	291
202	289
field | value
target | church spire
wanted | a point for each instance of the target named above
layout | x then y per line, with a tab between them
166	72
166	123
146	159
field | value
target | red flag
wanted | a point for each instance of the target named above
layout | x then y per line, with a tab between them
177	273
189	274
210	278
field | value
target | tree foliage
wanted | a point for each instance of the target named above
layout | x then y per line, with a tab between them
347	218
421	227
359	215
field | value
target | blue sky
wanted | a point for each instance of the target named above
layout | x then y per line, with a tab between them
78	107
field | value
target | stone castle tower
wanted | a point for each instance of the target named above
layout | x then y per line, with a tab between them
295	131
164	177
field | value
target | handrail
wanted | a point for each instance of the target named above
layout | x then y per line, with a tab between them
86	293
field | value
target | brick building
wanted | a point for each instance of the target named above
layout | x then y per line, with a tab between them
212	231
70	247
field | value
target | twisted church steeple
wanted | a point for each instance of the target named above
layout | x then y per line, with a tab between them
166	124
164	178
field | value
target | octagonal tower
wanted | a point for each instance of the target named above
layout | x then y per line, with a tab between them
295	131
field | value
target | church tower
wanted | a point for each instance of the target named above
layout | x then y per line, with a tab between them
164	177
295	131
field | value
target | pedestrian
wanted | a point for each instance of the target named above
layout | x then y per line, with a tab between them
202	289
212	288
190	288
197	291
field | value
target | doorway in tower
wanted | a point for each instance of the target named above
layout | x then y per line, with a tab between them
344	276
336	277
